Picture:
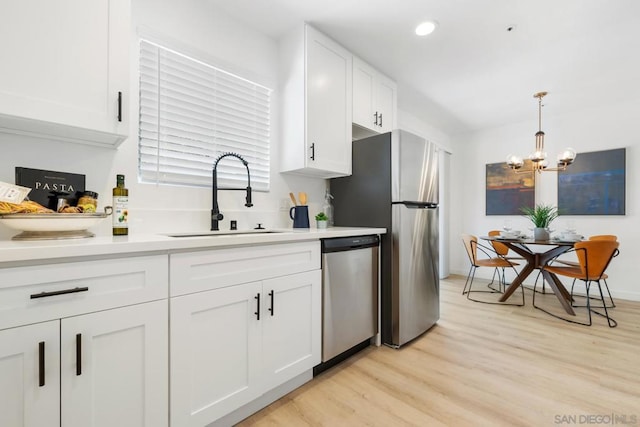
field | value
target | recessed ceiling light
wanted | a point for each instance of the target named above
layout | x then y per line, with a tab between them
426	28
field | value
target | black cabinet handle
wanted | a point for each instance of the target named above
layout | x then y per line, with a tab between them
78	354
313	151
119	106
376	117
271	308
62	292
380	115
257	313
41	366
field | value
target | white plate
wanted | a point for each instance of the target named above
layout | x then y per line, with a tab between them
52	225
559	239
510	236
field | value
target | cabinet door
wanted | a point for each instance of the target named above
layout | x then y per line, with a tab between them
68	62
386	104
374	101
292	326
114	367
215	353
30	375
364	80
328	100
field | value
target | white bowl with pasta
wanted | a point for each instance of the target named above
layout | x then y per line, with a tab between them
40	226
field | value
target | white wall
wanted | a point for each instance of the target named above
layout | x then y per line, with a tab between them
199	29
421	126
594	129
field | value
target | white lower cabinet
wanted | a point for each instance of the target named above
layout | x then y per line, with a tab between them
30	372
114	367
96	370
85	344
291	332
215	353
231	345
184	339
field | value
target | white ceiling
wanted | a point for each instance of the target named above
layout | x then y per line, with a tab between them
472	73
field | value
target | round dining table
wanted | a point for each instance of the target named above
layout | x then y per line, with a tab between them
536	260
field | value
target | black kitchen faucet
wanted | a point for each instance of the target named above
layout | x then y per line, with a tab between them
215	212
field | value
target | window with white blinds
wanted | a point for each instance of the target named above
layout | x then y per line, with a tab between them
191	113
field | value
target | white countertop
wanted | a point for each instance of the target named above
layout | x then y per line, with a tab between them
12	251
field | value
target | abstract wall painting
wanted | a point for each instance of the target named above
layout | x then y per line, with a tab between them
594	184
506	191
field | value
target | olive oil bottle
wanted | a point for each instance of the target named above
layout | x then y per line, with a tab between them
120	208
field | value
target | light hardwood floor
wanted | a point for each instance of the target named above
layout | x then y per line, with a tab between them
481	365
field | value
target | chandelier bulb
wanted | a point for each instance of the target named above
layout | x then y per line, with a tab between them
567	156
537	156
514	162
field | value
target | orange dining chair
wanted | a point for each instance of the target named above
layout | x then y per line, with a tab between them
490	259
609	237
604	237
501	250
594	256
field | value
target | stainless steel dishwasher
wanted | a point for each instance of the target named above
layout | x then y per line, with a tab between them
349	293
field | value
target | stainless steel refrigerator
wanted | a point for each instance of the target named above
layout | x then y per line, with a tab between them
394	184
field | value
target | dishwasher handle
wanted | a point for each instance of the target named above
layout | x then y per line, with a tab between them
341	244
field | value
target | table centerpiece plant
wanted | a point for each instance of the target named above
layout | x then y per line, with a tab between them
541	216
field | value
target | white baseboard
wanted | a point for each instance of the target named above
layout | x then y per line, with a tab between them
263	401
485	274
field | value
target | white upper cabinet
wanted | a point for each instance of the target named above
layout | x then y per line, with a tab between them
316	105
386	104
65	69
374	101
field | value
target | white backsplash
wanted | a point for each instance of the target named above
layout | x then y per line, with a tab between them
178	221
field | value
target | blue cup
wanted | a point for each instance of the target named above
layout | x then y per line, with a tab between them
300	216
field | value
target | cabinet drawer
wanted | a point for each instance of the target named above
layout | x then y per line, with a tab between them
49	291
201	271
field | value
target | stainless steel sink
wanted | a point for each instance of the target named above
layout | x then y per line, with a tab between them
221	233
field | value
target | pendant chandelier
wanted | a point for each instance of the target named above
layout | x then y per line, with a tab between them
539	162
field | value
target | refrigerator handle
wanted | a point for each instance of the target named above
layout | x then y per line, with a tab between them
417	205
313	151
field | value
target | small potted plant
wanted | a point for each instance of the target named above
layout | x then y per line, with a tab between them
541	216
321	220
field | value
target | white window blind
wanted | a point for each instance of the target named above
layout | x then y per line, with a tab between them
191	113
